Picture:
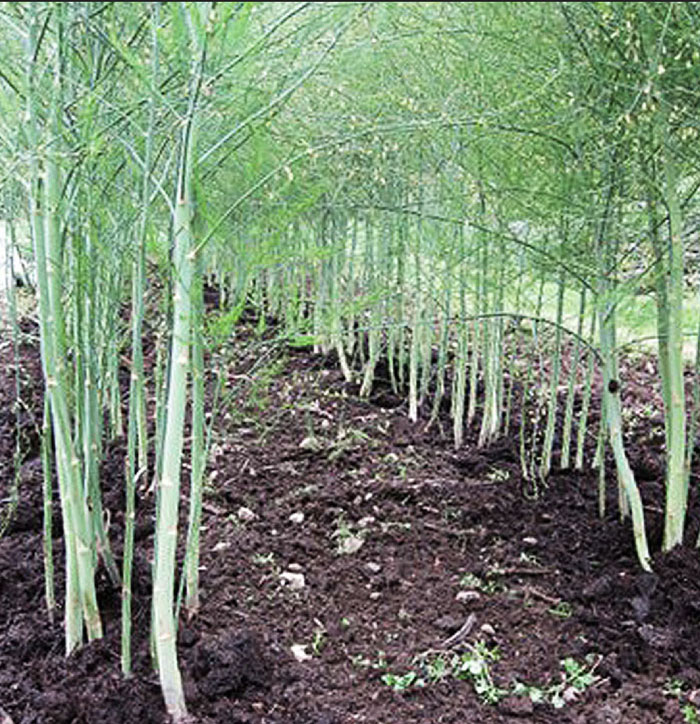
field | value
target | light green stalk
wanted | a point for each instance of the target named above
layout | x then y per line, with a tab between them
374	331
586	402
527	394
137	438
473	369
613	416
676	492
571	387
459	385
416	311
198	463
90	421
512	344
337	335
548	444
459	370
444	336
184	253
47	539
45	211
605	258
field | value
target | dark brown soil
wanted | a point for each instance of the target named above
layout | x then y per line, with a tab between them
401	541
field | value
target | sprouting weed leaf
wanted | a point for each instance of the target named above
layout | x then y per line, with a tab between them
690	714
400	682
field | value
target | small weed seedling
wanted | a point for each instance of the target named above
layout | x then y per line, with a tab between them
363	662
562	610
690	714
263	559
497	475
402	682
318	640
575	679
489	586
675	689
475	666
347	541
472	665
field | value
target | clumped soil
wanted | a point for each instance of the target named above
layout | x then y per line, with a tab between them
342	544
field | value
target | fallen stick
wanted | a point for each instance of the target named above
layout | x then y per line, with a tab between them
462	634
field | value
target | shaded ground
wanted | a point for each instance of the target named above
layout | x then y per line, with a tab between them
346	554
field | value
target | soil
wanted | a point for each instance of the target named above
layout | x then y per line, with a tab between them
355	567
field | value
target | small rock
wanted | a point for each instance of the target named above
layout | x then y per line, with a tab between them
530	541
373	567
295	581
296	517
375	595
311	443
299	653
245	514
295	567
366	521
350	544
488	629
466	596
222	545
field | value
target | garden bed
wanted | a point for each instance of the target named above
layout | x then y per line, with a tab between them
356	568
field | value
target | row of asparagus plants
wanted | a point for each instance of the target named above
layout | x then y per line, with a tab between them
363	297
108	160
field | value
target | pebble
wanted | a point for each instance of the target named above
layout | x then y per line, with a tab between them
299	652
530	541
295	581
466	596
350	544
488	629
296	517
373	567
310	443
245	514
295	567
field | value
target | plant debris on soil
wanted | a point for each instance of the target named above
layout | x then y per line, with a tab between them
357	568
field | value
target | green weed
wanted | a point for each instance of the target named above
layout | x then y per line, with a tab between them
474	666
563	610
